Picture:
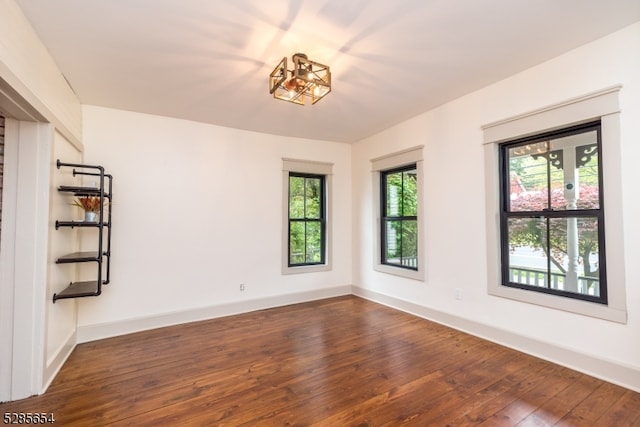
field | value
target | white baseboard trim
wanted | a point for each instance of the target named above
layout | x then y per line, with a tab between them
613	372
94	332
55	363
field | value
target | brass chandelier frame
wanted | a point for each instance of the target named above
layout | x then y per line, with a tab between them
308	80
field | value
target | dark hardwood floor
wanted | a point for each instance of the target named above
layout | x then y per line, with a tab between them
335	362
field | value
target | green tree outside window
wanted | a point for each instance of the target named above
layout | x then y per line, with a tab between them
306	219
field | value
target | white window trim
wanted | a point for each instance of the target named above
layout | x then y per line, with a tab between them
392	161
602	105
312	167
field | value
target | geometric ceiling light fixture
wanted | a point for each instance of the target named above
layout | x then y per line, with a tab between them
308	79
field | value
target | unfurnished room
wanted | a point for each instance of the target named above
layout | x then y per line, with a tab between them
328	213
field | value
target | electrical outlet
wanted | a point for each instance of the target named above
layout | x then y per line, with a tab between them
242	287
458	293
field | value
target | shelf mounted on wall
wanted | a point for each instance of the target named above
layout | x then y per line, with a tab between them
102	255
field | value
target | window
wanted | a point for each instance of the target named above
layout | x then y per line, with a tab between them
552	218
505	143
398	214
306	219
306	237
399	225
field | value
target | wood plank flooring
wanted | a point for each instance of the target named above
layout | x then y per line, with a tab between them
336	362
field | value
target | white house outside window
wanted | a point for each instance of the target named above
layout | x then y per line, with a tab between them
545	240
552	221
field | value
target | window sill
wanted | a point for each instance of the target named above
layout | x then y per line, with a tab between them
586	308
399	271
306	269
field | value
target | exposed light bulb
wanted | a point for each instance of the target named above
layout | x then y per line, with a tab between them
306	80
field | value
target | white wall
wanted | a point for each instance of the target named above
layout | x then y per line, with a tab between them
455	212
30	74
61	317
34	93
196	212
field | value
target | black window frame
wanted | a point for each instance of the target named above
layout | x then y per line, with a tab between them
384	218
322	220
549	213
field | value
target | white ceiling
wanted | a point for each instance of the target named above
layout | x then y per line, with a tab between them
209	60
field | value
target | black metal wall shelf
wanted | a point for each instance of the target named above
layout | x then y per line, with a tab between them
102	255
73	224
78	290
78	257
80	191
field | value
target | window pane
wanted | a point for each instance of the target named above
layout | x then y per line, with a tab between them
296	197
394	194
589	180
410	243
560	174
574	250
312	198
571	263
297	237
401	243
528	260
313	247
392	242
575	184
410	193
528	169
589	252
401	193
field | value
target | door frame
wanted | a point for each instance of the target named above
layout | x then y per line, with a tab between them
23	251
